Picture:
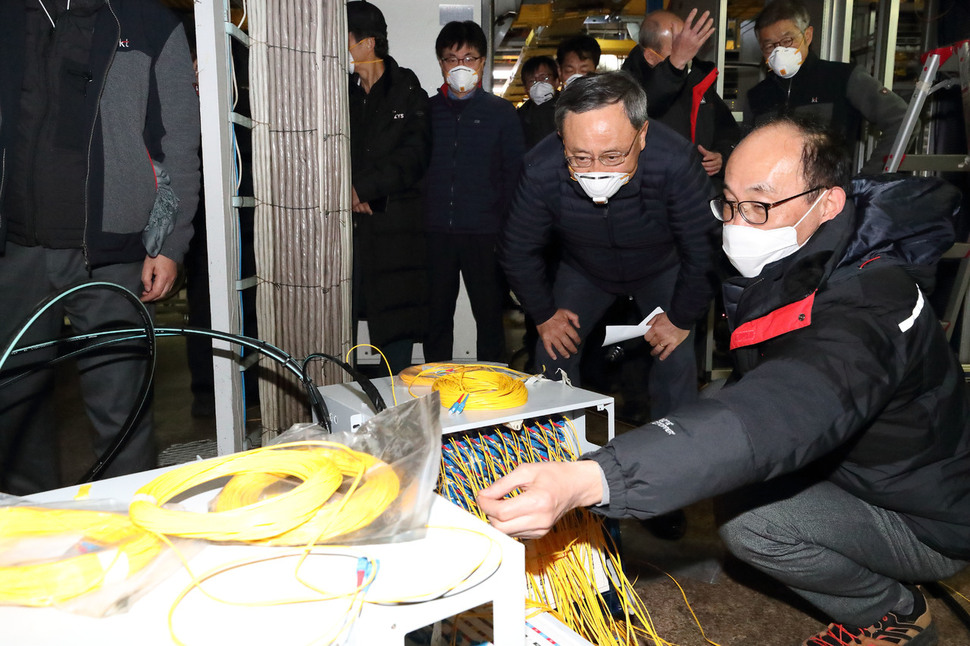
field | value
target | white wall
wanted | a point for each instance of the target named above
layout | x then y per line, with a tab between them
413	25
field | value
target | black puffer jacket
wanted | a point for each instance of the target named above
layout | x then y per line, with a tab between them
476	160
842	370
837	94
390	142
656	220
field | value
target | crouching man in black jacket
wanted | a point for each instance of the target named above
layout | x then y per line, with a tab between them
627	202
844	433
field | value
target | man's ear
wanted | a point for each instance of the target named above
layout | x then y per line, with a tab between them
832	203
809	32
652	58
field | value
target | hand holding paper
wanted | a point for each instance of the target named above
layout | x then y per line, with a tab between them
618	333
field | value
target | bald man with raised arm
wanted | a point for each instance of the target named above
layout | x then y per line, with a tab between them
682	88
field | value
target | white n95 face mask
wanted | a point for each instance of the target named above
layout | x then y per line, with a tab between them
541	92
600	187
751	248
462	79
785	61
350	62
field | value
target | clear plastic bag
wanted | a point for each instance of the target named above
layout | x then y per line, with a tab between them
405	439
84	557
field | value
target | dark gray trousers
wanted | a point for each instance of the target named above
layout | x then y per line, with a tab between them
110	379
843	555
671	383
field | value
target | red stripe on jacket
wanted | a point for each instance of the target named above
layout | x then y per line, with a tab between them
698	96
793	316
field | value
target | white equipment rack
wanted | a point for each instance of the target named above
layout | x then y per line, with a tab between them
349	407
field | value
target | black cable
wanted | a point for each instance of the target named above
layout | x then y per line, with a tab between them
144	391
316	401
376	399
148	332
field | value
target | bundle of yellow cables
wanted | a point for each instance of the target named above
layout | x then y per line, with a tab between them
373	486
248	511
110	549
471	386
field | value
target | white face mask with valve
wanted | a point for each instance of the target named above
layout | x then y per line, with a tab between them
785	61
541	92
751	248
462	79
601	186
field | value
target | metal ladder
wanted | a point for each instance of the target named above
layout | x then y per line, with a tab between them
953	58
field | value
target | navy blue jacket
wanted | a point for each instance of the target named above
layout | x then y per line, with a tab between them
657	220
476	160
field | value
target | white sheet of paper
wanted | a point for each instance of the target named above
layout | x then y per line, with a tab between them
617	333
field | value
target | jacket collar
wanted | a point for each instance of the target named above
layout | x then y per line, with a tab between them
889	219
790	279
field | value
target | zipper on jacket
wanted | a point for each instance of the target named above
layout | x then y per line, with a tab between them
97	112
609	233
454	173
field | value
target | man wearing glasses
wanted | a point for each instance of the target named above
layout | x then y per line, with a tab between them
476	159
838	94
627	203
842	440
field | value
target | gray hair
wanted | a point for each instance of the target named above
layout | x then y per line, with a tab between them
780	10
600	90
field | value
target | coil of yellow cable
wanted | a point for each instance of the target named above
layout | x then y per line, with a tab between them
110	548
249	510
319	478
373	486
479	386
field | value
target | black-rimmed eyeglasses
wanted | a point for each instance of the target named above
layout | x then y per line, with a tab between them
752	212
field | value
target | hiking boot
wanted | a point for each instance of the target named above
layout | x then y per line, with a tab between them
914	629
838	635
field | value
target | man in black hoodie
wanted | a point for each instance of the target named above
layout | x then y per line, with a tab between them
843	437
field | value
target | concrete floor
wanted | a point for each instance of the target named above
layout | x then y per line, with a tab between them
734	606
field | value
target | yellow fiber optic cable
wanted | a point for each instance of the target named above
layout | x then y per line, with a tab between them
318	473
488	387
373	487
386	363
115	549
560	563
